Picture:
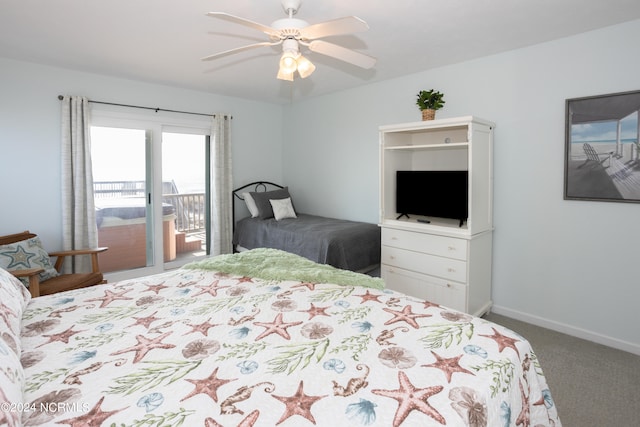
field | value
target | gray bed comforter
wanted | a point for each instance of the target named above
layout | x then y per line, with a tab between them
349	245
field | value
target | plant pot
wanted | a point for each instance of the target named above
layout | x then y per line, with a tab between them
428	114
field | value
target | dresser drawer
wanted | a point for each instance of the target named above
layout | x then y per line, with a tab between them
434	265
443	246
438	291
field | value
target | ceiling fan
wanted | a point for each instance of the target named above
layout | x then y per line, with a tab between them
292	33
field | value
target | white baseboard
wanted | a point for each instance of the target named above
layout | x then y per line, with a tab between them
568	329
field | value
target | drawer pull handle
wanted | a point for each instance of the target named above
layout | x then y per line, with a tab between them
394	238
392	257
451	270
452	248
448	285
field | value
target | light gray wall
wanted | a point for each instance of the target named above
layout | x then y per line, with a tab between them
569	265
30	136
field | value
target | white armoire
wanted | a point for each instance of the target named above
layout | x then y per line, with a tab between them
439	259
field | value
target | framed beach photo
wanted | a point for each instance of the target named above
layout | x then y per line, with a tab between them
602	152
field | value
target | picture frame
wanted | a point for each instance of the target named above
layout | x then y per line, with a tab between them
602	149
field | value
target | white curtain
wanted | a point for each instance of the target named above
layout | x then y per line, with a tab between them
221	185
79	229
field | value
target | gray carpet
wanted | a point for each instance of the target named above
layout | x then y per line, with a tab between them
591	384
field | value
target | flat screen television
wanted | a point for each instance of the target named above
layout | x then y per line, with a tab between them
442	194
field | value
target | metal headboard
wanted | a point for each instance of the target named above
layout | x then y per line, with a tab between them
257	186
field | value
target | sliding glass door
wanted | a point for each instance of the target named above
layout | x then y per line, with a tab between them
151	191
121	189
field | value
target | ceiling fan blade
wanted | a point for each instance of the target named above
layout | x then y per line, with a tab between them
238	49
247	23
347	55
335	27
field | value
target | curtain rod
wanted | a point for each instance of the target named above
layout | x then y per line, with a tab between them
61	97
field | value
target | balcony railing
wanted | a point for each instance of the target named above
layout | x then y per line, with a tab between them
190	211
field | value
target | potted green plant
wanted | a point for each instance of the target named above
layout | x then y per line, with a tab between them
428	102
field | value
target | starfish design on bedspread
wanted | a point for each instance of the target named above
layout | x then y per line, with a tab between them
308	285
276	327
316	311
208	386
298	404
503	341
406	315
144	346
411	398
110	297
448	365
368	296
156	288
145	321
429	304
62	336
211	289
95	417
203	328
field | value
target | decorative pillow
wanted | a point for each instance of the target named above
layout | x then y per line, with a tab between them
262	201
27	254
251	205
282	208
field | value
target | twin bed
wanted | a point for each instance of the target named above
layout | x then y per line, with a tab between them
259	338
349	245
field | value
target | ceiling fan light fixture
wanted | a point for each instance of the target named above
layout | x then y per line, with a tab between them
283	75
305	67
288	62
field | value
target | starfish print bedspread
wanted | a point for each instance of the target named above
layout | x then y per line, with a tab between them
204	348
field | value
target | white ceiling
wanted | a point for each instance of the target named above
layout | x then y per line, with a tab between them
162	41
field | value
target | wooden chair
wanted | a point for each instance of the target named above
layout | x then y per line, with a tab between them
63	282
594	156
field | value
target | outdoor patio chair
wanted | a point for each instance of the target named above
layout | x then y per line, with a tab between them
593	155
22	255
